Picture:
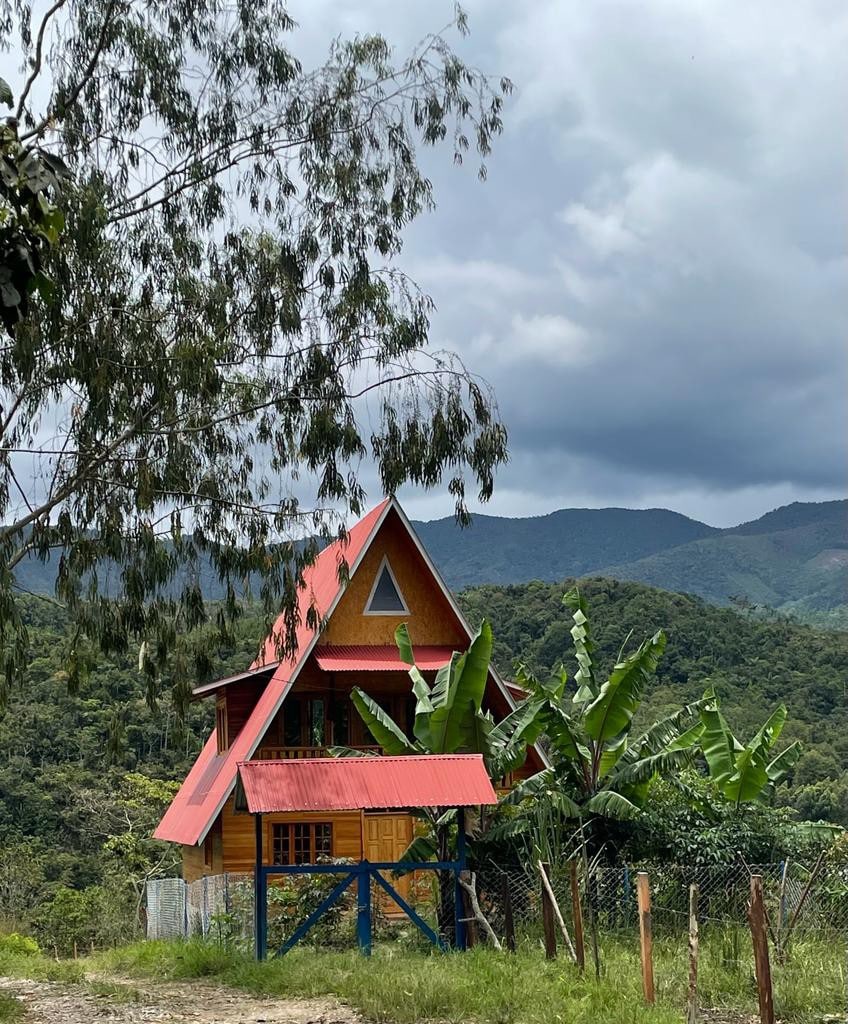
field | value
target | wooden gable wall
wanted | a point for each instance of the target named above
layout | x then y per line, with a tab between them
430	618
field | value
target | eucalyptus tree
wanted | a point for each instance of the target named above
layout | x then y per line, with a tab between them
230	331
600	769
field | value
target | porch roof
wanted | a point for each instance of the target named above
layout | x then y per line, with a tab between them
378	658
363	783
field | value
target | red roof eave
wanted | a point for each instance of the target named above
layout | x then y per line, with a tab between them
364	783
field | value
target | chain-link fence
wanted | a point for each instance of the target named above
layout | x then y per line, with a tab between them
805	898
800	897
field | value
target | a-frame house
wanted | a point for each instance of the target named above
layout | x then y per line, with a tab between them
297	707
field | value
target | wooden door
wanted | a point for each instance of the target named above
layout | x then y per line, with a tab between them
386	838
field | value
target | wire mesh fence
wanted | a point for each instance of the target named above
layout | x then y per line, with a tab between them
809	898
804	898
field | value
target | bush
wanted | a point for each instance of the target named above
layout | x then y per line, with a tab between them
292	900
75	919
19	945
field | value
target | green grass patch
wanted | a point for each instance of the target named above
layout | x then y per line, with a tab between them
403	987
10	1008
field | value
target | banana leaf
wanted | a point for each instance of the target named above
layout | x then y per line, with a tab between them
611	712
381	726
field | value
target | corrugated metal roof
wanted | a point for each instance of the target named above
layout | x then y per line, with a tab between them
212	775
257	674
363	783
378	658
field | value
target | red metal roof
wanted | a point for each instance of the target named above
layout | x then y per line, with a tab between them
363	783
378	658
211	779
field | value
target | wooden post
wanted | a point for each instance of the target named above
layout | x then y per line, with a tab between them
544	871
643	896
757	920
509	919
692	998
471	935
577	917
548	919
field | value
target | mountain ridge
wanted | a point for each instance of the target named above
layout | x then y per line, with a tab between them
793	558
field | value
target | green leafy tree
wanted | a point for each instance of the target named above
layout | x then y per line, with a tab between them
30	221
600	770
230	323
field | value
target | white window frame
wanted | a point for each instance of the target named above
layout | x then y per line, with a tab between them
385	566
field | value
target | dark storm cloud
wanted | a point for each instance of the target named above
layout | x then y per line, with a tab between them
654	275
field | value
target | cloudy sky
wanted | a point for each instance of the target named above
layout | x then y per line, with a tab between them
654	275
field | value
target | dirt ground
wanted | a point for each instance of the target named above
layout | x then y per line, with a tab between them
177	1003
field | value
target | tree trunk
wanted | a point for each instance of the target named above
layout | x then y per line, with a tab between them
445	909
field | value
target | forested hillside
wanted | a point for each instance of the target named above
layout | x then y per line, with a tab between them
65	758
753	663
794	559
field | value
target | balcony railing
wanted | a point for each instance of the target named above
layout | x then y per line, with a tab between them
300	753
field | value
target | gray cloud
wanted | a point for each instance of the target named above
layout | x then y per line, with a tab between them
654	275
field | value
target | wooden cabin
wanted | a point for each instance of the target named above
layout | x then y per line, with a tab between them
297	707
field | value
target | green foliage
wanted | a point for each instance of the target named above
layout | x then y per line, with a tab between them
449	716
406	987
31	222
744	774
230	285
76	919
293	898
599	769
18	945
690	824
753	663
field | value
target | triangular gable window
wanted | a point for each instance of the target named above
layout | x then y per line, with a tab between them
385	597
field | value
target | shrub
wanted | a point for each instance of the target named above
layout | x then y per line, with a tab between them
19	945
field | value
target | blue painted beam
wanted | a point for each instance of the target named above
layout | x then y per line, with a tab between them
338	869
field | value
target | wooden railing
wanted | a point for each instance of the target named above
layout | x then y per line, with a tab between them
300	753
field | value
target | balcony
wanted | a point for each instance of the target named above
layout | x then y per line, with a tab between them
301	753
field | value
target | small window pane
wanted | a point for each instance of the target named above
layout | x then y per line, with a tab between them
323	841
316	723
281	851
341	721
302	844
386	597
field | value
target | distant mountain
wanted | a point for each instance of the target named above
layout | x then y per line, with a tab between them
794	558
570	542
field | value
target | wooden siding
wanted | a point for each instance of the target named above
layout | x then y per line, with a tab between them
239	836
431	621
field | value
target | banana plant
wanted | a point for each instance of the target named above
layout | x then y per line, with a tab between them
745	774
449	715
449	719
599	769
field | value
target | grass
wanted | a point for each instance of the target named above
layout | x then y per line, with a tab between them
403	987
10	1008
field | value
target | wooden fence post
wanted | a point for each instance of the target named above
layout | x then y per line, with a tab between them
643	896
548	918
692	999
509	918
577	917
757	920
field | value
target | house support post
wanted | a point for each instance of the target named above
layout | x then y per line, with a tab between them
458	902
260	896
363	910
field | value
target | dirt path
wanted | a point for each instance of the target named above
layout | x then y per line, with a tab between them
176	1003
